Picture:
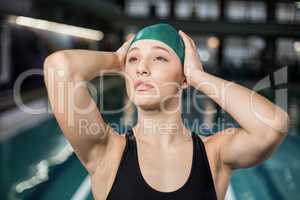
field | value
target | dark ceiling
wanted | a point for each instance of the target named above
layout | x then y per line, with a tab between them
108	16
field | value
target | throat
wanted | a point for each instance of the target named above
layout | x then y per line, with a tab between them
161	138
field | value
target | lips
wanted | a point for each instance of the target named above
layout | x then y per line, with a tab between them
140	85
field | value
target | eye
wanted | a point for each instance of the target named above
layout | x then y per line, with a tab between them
132	59
161	58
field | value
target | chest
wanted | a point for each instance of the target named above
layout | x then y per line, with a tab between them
158	170
165	169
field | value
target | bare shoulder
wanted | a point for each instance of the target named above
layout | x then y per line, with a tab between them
219	137
213	144
210	140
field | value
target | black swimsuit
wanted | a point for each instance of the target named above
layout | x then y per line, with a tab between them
129	183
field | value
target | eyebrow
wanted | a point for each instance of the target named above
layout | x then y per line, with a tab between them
154	47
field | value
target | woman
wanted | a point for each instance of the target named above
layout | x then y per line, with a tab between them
159	158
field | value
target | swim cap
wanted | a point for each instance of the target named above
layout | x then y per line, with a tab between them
165	33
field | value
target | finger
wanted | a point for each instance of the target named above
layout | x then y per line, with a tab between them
185	39
188	46
193	43
190	40
129	37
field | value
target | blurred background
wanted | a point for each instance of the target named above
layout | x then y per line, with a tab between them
253	43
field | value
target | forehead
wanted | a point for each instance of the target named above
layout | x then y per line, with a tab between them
148	44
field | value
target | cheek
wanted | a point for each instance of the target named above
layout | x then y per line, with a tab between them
169	81
130	72
129	76
170	73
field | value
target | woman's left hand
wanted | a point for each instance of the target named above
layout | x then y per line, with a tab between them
192	59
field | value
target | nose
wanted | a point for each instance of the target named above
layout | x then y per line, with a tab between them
143	69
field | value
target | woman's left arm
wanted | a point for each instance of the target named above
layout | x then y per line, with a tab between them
264	125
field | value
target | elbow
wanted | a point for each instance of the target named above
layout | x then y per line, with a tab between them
280	125
55	59
57	64
277	136
283	124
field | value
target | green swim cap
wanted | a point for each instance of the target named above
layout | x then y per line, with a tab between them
165	33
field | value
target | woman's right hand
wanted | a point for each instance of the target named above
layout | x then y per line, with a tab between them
122	51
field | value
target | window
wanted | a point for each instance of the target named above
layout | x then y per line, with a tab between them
183	9
287	51
288	12
162	8
246	11
207	10
142	8
137	8
240	52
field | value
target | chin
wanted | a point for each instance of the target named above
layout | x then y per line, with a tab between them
146	103
148	107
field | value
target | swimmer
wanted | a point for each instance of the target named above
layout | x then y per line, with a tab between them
159	158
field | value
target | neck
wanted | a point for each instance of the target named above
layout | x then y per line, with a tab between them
161	127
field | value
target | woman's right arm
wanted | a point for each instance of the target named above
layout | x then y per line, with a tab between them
66	74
